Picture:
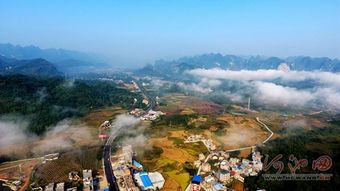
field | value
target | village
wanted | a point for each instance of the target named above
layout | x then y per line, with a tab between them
218	169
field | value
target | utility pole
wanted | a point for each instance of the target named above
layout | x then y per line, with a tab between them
249	103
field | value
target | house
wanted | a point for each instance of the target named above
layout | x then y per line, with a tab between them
49	187
60	186
206	167
201	157
197	163
223	175
87	179
137	165
209	179
219	187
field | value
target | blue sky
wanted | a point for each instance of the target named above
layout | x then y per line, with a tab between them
138	32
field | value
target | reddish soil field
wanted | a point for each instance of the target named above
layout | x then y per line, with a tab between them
177	103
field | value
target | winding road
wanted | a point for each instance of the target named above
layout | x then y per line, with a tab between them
152	101
111	179
271	132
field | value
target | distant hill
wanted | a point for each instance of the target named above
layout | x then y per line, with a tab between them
67	61
232	62
34	67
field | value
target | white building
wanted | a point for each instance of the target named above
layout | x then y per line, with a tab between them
197	163
209	179
219	187
201	157
206	167
60	186
87	179
146	181
152	115
49	187
145	101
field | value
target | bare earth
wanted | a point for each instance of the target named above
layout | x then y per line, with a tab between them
241	132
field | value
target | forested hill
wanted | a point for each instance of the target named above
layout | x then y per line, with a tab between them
45	101
33	67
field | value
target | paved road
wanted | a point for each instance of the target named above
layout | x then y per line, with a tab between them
111	179
152	102
271	132
107	148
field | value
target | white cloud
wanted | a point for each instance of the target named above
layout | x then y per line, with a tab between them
125	120
327	78
204	86
329	96
272	93
12	132
194	87
65	135
206	82
326	88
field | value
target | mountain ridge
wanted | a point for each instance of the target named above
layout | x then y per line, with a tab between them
68	61
233	62
33	67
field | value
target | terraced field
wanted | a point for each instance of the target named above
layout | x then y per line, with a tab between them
57	170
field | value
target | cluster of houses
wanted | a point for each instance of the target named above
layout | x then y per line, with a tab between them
137	112
151	115
89	182
222	169
146	116
218	168
199	138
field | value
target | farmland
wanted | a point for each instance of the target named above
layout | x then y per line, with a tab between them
175	155
57	170
18	170
177	103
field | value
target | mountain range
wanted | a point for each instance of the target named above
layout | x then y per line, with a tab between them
67	61
172	68
33	60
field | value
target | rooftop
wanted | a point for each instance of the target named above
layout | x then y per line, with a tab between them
136	164
196	179
145	179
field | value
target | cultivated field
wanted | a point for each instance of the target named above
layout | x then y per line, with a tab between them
18	170
97	117
240	132
57	170
172	160
182	104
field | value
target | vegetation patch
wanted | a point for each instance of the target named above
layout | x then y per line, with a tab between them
49	100
181	178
